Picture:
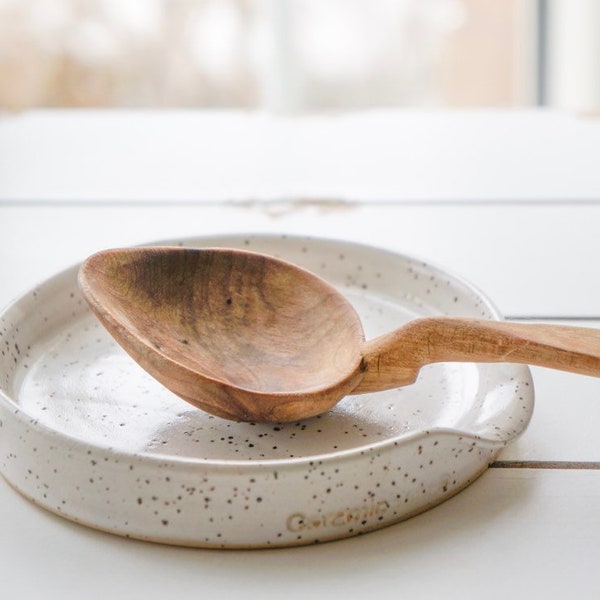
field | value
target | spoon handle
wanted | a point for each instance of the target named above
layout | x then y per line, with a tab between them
394	359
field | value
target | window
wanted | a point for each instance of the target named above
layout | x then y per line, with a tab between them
298	55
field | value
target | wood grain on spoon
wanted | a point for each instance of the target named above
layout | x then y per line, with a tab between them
253	338
232	332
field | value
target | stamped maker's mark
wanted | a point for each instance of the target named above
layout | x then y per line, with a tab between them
298	521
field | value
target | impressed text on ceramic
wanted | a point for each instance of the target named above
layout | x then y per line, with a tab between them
297	522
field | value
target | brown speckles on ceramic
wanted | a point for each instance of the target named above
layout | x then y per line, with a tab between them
89	435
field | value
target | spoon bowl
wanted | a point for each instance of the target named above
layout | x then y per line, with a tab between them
250	337
238	334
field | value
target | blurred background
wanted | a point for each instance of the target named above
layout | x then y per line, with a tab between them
290	56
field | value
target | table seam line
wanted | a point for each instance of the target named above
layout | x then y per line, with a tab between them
546	464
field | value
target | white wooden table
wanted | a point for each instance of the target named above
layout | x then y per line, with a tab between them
509	200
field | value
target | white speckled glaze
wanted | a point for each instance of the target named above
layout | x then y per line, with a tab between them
85	433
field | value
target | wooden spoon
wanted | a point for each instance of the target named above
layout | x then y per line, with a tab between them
252	338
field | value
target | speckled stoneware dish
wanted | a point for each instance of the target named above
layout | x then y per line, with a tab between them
87	434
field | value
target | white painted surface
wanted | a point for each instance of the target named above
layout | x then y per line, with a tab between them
521	533
532	259
376	155
512	534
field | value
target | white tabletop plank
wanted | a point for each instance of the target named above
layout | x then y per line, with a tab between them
373	155
565	422
522	281
513	533
532	260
